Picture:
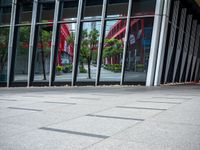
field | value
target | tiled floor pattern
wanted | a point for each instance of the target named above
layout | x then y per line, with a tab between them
103	118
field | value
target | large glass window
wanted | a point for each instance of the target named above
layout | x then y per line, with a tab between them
88	51
4	36
42	55
69	10
143	7
21	55
113	51
65	52
117	8
137	55
25	12
5	13
46	11
93	9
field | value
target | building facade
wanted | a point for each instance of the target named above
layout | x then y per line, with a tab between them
87	42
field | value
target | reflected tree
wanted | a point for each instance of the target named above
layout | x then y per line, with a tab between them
113	49
4	35
88	47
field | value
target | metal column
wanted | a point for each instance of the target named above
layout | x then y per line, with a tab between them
172	38
196	47
126	41
180	42
53	41
186	45
32	37
101	42
77	40
197	71
162	43
11	40
154	42
191	49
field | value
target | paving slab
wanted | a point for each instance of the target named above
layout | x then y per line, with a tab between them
95	125
115	144
100	118
129	112
46	140
172	136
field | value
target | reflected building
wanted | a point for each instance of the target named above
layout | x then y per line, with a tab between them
87	42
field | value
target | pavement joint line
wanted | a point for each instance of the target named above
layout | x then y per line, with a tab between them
2	99
114	117
20	108
128	107
32	96
85	98
183	98
159	102
75	133
104	94
60	103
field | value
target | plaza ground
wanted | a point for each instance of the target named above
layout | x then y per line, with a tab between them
100	118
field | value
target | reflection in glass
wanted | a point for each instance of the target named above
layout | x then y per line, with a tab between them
88	51
143	7
65	52
92	9
137	55
21	56
5	2
42	56
113	50
69	10
117	8
4	35
47	12
5	13
26	13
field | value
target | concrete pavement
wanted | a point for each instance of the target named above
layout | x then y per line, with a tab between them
100	118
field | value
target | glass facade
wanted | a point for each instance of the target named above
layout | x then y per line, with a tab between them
5	15
46	49
138	51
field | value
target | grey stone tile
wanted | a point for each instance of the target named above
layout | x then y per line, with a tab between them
173	136
46	140
95	125
7	130
41	105
187	113
114	144
5	113
150	105
38	119
131	113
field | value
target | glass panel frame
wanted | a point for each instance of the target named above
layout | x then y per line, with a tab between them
138	50
21	54
4	37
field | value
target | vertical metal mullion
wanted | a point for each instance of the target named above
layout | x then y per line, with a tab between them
32	39
126	41
195	52
101	41
77	41
186	45
162	43
179	43
11	39
154	42
53	41
197	70
15	41
191	49
172	39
